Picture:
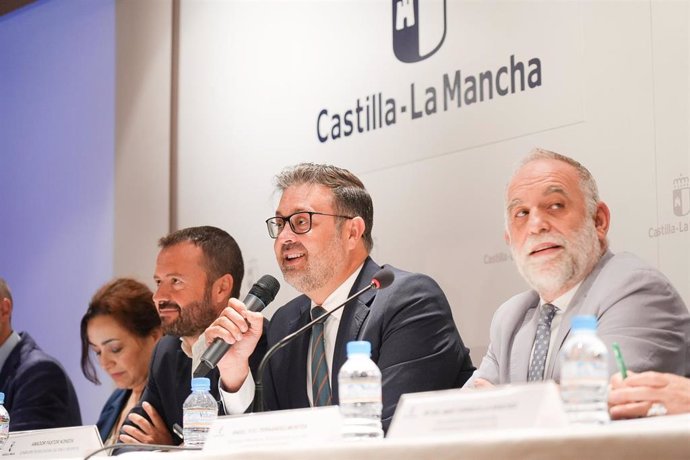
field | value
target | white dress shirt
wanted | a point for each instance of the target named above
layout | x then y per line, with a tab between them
7	347
237	403
561	305
331	327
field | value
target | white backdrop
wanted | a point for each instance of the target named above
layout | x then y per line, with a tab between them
611	90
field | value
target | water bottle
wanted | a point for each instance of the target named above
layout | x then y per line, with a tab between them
359	383
200	409
585	374
4	421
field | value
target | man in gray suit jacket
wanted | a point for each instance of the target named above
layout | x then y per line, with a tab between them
556	227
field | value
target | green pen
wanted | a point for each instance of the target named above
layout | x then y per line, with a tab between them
619	360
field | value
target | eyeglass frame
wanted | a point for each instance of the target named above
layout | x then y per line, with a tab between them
288	219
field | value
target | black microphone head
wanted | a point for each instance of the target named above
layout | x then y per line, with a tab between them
202	369
383	278
265	289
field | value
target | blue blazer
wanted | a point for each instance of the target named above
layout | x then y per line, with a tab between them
111	412
38	392
413	337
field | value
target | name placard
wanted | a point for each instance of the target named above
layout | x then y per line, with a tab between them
71	442
286	427
453	412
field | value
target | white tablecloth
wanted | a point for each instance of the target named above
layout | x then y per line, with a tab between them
647	439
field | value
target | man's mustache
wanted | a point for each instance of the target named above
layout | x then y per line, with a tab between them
169	306
291	245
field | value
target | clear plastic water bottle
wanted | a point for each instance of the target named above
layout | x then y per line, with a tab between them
4	421
359	383
200	409
585	374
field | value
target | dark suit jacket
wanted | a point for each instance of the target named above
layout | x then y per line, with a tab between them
169	384
38	392
413	339
111	412
170	377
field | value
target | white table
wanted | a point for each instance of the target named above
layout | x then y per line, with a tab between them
659	438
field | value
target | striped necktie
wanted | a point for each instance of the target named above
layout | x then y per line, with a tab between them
320	383
542	340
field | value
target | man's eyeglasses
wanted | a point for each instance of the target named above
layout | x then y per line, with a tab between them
300	222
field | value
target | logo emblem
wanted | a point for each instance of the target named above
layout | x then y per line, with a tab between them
681	196
407	43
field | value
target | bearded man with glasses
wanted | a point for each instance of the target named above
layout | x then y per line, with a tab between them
322	240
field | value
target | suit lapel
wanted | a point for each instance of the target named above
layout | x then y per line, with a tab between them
352	320
10	366
297	370
521	347
183	368
563	332
578	306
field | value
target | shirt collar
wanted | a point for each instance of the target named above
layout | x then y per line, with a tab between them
563	301
340	294
197	349
8	346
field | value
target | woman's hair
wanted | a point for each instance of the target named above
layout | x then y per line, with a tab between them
130	304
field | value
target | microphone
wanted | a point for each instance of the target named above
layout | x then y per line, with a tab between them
381	279
260	295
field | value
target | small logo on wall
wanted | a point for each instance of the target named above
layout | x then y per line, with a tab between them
681	207
681	196
406	27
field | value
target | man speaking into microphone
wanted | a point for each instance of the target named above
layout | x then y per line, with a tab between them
322	233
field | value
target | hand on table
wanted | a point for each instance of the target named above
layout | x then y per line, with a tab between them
638	393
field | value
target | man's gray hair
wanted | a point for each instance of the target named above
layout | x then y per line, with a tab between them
350	195
588	185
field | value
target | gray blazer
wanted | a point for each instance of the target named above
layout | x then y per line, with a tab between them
635	305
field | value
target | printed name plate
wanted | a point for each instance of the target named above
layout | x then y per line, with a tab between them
286	427
72	442
452	412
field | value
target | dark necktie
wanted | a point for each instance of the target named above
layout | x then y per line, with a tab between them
541	343
320	384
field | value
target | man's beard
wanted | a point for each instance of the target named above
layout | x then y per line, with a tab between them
567	269
194	318
319	269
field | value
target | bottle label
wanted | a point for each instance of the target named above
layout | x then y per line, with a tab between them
198	417
351	393
576	370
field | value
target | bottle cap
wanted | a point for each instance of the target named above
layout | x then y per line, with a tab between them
2	398
201	383
584	322
361	347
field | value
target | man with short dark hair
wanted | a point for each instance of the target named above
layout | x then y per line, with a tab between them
197	270
556	227
322	230
38	392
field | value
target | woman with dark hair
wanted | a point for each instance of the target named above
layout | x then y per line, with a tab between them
121	326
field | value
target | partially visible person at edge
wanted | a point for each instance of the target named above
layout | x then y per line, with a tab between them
556	227
322	233
198	270
38	392
121	327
